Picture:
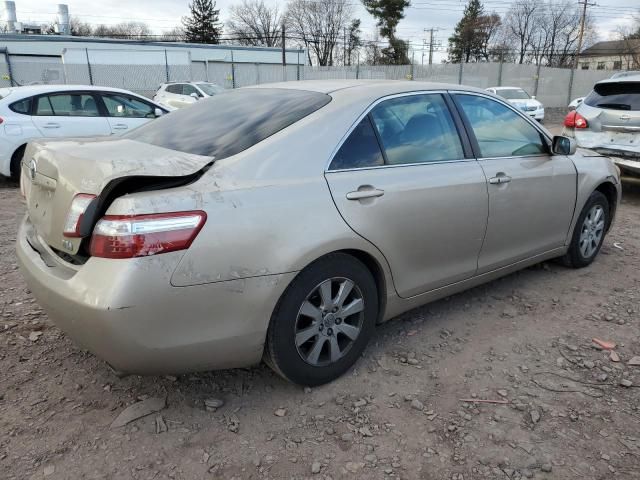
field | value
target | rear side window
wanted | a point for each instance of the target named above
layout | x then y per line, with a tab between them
360	149
174	89
417	129
615	96
67	105
228	123
22	106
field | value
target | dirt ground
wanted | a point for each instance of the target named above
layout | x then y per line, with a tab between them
525	340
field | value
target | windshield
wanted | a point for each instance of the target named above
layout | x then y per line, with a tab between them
230	122
513	94
615	96
210	89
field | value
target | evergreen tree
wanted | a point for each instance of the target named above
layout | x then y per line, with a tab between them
467	39
388	14
203	26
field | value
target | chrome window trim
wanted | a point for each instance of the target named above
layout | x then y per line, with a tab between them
534	123
367	111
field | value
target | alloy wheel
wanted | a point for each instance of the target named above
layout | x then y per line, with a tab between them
592	231
329	321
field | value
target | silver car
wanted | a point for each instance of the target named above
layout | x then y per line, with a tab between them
608	121
286	221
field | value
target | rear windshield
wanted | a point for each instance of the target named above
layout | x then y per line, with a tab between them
615	96
230	122
513	94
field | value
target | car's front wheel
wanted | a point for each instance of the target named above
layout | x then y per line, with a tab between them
323	321
589	233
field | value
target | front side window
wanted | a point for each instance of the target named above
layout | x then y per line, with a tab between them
417	129
173	88
226	124
360	150
500	131
189	89
210	89
67	105
129	107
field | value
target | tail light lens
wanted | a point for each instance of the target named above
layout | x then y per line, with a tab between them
575	120
116	236
78	207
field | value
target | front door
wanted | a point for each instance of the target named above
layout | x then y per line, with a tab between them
401	181
126	112
69	114
532	193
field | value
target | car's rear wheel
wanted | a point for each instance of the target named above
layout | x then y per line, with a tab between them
16	160
589	232
323	321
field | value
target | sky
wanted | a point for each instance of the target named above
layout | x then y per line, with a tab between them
163	15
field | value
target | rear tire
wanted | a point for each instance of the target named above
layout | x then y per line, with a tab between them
589	232
16	161
323	321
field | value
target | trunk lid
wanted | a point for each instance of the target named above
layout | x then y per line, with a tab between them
53	172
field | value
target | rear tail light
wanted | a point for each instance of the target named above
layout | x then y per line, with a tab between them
79	206
1	120
116	236
575	120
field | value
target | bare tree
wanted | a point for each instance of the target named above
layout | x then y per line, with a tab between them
133	30
521	23
254	23
176	34
319	24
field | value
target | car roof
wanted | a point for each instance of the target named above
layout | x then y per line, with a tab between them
29	90
366	88
507	88
622	79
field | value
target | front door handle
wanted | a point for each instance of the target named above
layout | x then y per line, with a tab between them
51	125
499	179
363	193
120	126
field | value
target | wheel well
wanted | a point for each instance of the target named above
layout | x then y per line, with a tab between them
609	190
378	275
14	166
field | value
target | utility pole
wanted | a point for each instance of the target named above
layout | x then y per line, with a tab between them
584	4
344	46
284	53
431	44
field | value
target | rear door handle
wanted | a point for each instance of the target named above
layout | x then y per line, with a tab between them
120	126
361	194
499	179
51	125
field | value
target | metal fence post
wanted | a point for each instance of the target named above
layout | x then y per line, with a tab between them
86	51
358	66
570	91
166	65
7	59
500	69
206	66
535	87
257	73
233	72
460	74
298	67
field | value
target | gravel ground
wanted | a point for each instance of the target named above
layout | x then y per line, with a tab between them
525	340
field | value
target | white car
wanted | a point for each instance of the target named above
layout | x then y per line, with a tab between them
575	103
180	94
520	99
55	111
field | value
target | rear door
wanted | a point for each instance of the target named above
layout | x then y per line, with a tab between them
126	112
402	180
69	114
532	193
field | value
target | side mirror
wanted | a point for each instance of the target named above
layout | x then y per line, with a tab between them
194	95
533	97
563	145
158	112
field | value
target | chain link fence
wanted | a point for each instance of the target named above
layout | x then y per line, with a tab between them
554	87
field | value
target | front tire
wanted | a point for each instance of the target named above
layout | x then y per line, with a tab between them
589	232
16	163
323	321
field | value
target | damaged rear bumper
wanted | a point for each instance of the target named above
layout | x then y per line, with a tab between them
127	313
